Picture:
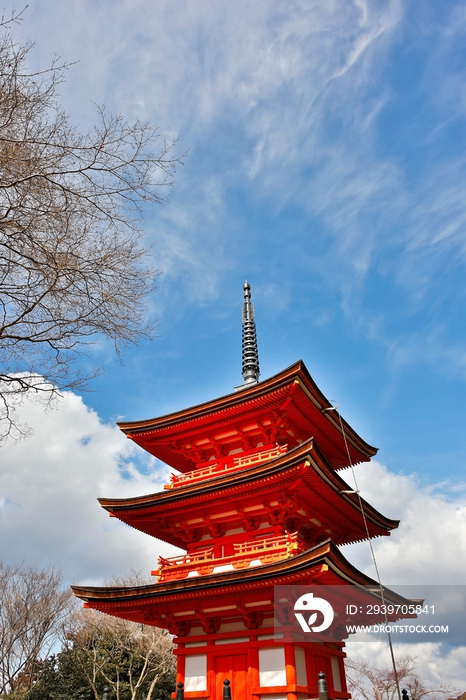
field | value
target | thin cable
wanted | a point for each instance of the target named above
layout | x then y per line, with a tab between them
379	580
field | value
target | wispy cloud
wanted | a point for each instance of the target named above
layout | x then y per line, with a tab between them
343	111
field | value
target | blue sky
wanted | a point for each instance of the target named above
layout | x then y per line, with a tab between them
326	165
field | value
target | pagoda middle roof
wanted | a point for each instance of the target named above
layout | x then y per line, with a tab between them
302	477
287	408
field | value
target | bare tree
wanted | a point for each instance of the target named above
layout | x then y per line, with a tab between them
132	659
367	682
72	261
33	605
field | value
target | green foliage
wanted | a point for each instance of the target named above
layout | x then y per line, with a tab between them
59	679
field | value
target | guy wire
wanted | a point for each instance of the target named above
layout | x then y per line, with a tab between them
379	580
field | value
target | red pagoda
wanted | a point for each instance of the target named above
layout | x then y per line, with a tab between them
256	502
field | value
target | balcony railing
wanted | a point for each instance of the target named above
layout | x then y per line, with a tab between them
268	550
224	466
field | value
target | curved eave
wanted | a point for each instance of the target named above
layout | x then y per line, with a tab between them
296	570
305	462
214	411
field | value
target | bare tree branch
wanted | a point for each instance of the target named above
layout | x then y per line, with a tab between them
131	658
72	261
33	604
367	682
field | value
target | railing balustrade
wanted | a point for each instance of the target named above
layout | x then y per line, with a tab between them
225	465
202	563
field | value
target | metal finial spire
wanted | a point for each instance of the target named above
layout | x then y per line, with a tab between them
249	340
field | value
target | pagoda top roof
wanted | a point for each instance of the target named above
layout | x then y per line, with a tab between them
297	475
287	408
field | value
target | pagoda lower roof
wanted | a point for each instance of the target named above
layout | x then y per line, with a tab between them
287	408
166	604
300	481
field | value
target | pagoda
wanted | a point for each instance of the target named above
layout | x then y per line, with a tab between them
256	502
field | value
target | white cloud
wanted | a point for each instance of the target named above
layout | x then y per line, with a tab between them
49	484
429	547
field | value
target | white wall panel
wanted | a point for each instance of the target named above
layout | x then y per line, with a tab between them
195	676
272	667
